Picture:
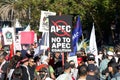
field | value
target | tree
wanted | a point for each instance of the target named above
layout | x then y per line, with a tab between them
12	9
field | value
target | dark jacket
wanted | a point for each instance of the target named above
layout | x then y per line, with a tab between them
4	68
31	71
16	79
25	75
90	77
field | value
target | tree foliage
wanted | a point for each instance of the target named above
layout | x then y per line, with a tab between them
101	12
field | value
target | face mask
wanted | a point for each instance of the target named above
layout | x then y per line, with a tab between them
42	76
72	65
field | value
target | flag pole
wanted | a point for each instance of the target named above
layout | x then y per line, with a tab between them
63	60
82	37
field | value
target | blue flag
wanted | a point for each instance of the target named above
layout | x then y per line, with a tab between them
76	34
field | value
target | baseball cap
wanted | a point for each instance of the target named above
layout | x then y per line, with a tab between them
91	57
110	53
91	67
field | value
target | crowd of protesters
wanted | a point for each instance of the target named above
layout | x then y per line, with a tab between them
49	66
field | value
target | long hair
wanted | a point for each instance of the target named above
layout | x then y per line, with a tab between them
114	66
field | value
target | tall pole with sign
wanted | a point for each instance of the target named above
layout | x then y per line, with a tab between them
60	33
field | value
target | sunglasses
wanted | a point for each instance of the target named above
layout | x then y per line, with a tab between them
90	59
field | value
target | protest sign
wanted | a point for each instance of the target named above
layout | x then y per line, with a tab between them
60	33
8	35
44	21
27	37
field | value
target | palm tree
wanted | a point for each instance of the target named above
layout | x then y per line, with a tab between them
12	9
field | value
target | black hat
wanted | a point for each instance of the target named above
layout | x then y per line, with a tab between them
91	57
91	67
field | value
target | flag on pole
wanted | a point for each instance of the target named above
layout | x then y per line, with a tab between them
27	28
93	45
76	34
17	24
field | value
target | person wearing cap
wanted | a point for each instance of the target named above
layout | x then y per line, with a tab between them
104	63
91	72
66	75
91	60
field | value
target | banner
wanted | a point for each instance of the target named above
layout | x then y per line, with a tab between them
60	33
27	37
8	35
93	45
76	34
44	21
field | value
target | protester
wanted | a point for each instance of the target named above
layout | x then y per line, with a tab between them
43	73
66	75
82	71
91	60
80	61
12	64
31	67
45	60
3	67
74	70
104	64
91	72
56	63
117	75
25	70
112	68
17	74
